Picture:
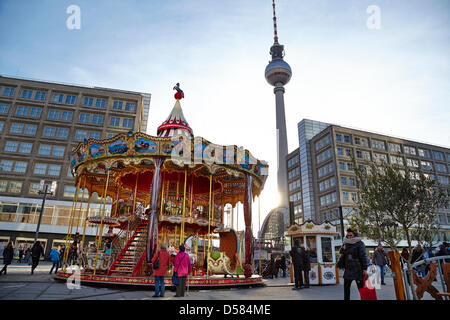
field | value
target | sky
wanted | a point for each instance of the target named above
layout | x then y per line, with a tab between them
392	80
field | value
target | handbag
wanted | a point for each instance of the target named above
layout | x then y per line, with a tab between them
367	293
156	264
175	279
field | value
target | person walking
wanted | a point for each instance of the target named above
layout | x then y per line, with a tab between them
54	255
298	261
20	253
181	266
355	261
163	257
381	260
417	255
36	252
61	255
283	265
8	254
27	255
271	266
307	266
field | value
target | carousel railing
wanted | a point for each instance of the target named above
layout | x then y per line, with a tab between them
122	240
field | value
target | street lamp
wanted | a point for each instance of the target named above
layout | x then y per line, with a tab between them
45	192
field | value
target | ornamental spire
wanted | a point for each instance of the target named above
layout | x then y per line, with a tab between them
275	32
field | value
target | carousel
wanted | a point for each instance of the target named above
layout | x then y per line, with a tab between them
318	239
171	188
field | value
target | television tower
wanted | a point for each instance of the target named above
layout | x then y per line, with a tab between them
278	73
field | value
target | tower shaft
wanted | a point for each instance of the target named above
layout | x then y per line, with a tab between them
282	146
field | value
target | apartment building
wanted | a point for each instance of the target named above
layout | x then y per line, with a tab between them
40	123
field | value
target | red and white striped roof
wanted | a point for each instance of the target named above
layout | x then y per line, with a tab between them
175	124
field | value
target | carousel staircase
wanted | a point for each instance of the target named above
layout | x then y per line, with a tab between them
131	253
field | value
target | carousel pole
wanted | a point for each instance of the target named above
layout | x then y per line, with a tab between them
209	225
162	199
134	205
81	205
259	236
248	270
69	230
101	220
184	208
192	194
85	220
117	201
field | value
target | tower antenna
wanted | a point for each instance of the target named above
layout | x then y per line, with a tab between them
275	32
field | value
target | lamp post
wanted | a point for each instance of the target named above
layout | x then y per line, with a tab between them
45	192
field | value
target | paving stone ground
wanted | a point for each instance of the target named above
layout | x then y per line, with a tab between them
19	284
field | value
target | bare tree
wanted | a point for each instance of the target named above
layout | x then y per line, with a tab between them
396	203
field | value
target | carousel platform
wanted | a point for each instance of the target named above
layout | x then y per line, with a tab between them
198	282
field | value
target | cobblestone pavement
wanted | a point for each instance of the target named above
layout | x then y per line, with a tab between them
19	284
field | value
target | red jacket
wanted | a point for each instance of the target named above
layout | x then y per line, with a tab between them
163	262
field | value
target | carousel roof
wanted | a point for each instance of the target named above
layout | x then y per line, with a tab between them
175	124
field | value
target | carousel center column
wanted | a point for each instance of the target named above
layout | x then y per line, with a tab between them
248	270
152	234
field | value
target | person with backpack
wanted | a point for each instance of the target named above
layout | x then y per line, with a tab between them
8	254
54	255
181	266
36	252
355	261
380	259
160	264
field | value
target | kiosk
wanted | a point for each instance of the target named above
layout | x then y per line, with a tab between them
318	239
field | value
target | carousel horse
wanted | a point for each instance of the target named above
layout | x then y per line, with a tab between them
225	261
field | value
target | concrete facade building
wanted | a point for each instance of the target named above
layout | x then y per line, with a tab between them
40	123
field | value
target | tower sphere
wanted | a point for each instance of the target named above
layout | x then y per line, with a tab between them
278	71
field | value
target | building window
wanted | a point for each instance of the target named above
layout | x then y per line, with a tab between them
87	101
354	196
345	196
114	121
11	146
110	135
4	108
25	147
424	153
54	170
117	105
35	112
346	138
40	168
426	165
130	106
40	95
338	137
341	165
69	191
16	128
443	179
71	99
128	123
80	135
438	156
3	185
396	160
377	144
412	163
2	124
97	119
327	154
6	165
34	188
49	131
350	166
378	157
30	129
393	147
26	93
57	97
344	181
8	92
44	149
351	182
22	111
15	187
20	167
409	150
440	167
67	115
58	151
63	133
94	135
53	115
100	103
85	117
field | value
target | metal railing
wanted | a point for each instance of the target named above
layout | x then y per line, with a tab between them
439	260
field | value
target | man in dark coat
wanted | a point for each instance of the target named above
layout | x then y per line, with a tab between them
380	259
8	254
298	259
307	266
355	260
36	253
283	265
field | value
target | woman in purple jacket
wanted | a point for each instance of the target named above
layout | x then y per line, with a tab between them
182	266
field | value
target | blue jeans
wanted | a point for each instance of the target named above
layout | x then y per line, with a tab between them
158	280
55	264
381	269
